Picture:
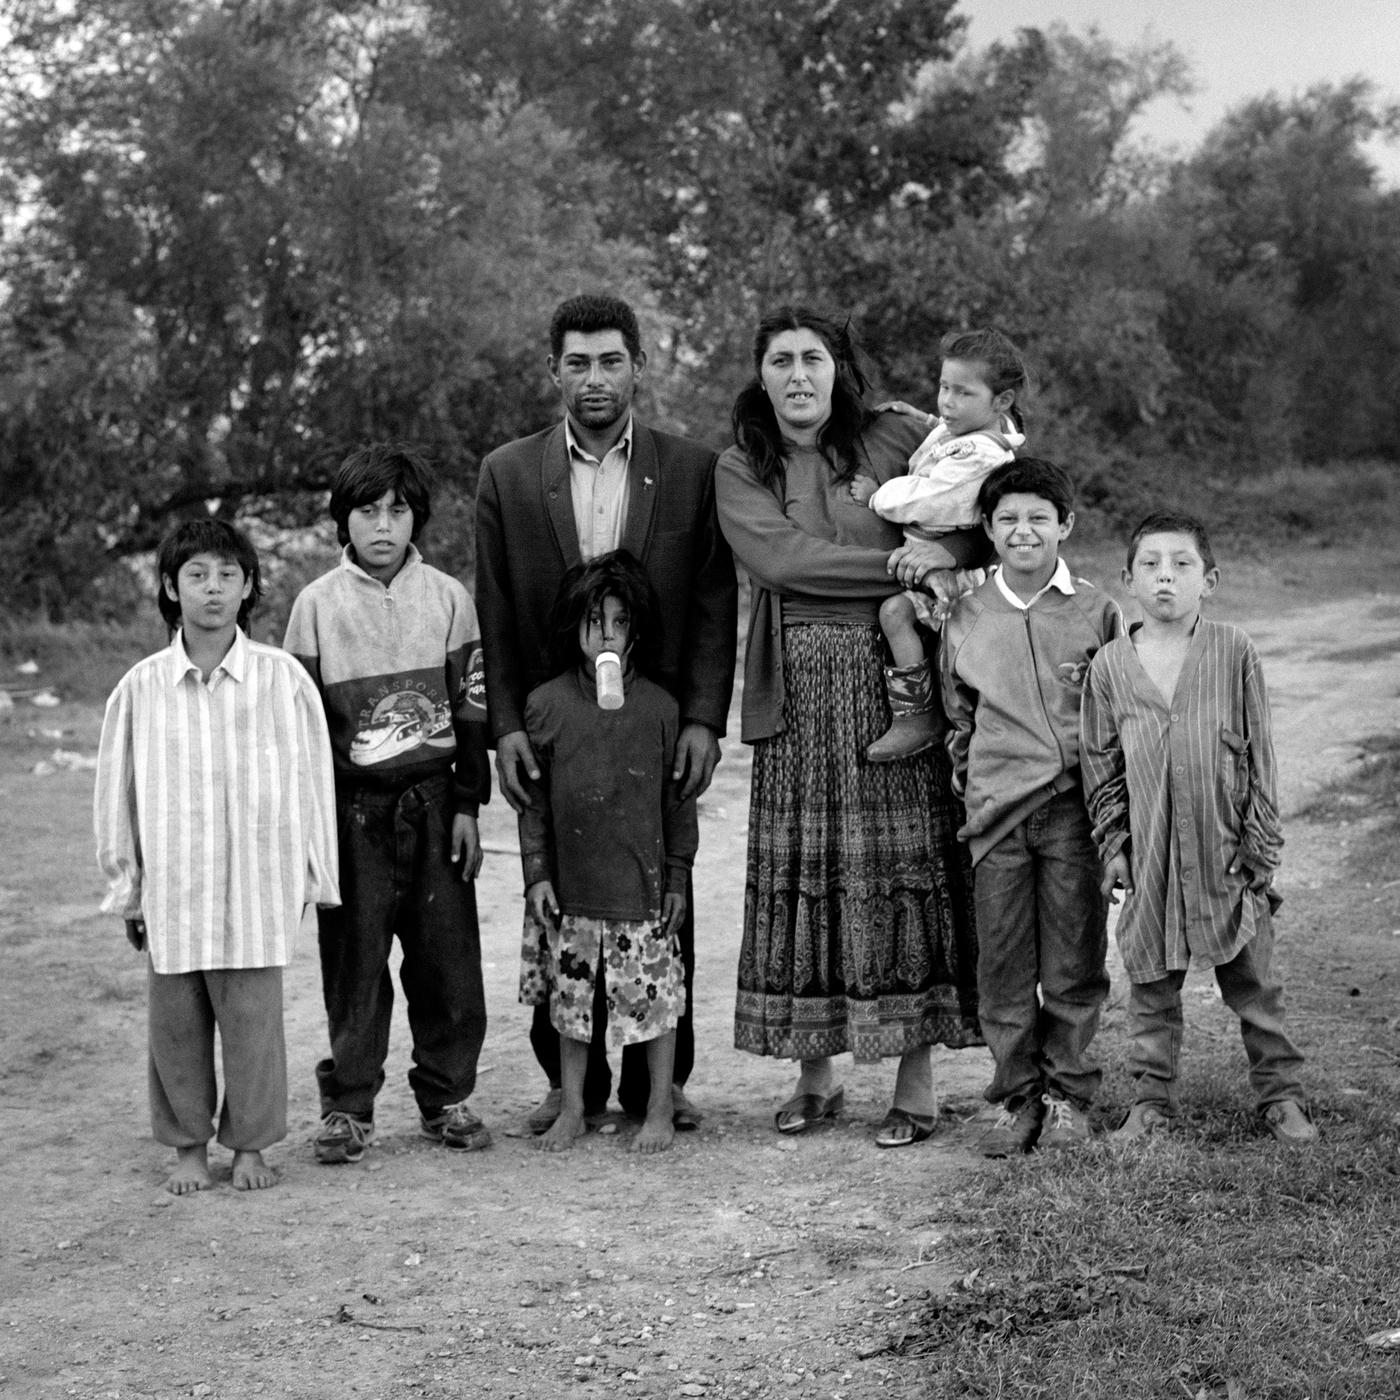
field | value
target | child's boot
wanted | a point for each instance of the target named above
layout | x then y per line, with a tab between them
914	726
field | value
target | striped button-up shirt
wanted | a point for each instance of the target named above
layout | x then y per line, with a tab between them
214	808
1186	784
599	492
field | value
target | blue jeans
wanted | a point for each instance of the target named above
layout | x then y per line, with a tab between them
1248	989
397	878
1041	944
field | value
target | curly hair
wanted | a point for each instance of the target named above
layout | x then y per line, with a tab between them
755	424
590	313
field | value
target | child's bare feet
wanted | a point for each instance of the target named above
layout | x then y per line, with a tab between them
191	1171
656	1134
563	1132
251	1173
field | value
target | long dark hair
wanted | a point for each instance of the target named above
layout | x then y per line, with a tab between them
582	590
755	424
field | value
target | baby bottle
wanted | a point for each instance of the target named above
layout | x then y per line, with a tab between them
607	672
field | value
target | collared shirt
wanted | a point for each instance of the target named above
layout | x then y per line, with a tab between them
1061	580
599	492
1187	785
214	808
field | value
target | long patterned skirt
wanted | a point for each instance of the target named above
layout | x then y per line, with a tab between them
859	932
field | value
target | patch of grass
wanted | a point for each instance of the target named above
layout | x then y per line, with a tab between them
77	660
1184	1267
1369	788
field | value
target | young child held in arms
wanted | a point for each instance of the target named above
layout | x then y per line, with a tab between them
1014	656
394	648
215	822
606	843
1179	771
978	428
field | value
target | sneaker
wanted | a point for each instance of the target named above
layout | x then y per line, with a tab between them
1015	1130
1288	1122
455	1125
343	1138
1142	1121
1064	1125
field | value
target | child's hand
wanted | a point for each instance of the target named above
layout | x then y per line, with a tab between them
672	912
1117	874
907	409
1257	880
136	934
863	488
543	906
466	845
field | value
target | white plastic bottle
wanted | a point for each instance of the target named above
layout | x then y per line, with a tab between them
607	672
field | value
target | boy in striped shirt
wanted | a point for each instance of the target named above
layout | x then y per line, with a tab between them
1179	770
215	822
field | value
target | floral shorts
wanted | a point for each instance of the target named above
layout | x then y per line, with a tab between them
643	979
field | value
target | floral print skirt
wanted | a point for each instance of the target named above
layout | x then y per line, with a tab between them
643	979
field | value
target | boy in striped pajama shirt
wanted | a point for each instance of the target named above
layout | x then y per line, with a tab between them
214	812
1178	763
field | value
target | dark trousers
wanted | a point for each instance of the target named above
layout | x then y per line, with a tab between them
1248	988
397	878
1041	948
184	1009
634	1081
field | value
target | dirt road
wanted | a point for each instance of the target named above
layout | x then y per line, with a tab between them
738	1265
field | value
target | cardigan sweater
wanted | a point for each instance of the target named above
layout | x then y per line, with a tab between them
811	543
399	669
1012	681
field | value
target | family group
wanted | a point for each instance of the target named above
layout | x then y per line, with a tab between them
960	755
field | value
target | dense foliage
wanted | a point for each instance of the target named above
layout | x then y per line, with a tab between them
242	235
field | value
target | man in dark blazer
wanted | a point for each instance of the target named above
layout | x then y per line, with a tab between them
598	481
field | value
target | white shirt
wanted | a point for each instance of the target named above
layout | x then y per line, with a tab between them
599	492
214	808
1060	580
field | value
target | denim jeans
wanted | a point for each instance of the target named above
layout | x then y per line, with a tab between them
397	878
1248	989
1042	940
634	1079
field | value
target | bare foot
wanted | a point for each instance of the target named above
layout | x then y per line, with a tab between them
251	1173
656	1134
562	1134
191	1171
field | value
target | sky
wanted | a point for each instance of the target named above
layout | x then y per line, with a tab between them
1236	50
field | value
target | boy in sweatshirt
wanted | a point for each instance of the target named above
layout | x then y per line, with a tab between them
1014	656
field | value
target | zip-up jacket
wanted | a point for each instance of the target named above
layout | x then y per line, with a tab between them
1012	683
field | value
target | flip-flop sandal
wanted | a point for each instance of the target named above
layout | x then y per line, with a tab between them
891	1132
802	1110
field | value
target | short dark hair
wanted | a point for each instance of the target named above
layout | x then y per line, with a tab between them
206	536
583	588
1173	522
368	472
1033	475
590	313
1006	368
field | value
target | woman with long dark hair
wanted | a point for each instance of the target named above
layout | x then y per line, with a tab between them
858	922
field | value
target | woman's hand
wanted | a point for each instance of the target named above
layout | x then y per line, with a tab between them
907	409
543	906
915	559
672	911
863	488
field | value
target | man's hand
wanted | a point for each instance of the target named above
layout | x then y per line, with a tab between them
466	845
136	934
1117	874
697	752
863	488
543	906
915	559
513	752
672	912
